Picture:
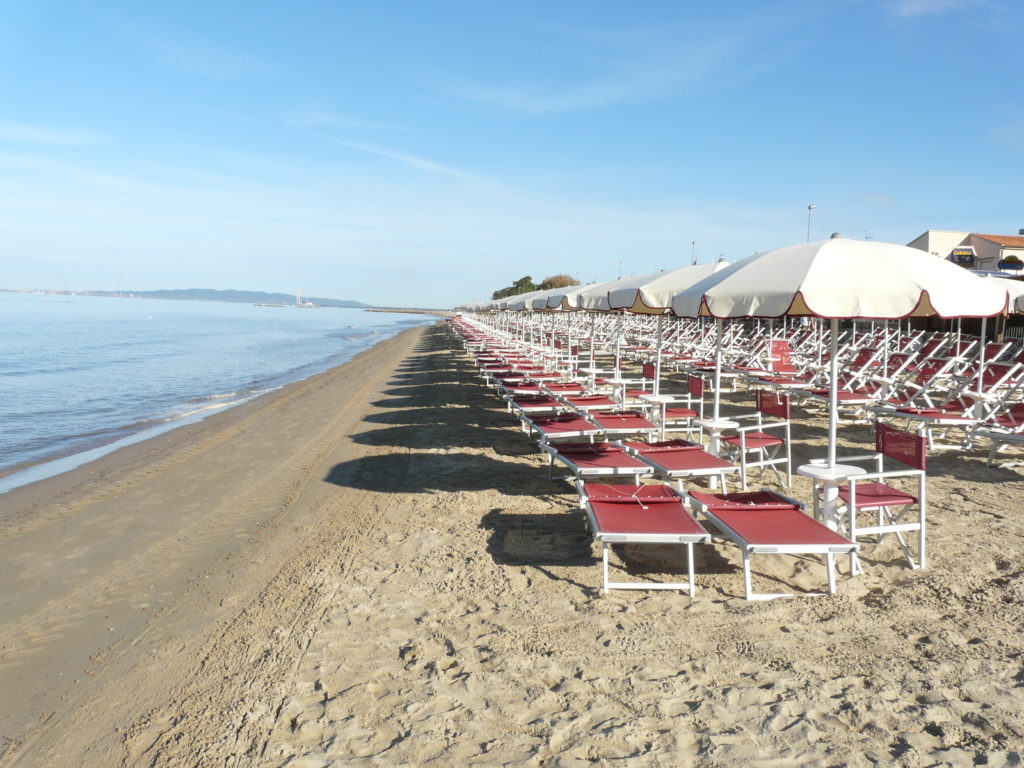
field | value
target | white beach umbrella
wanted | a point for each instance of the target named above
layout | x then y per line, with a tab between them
1016	290
841	279
652	295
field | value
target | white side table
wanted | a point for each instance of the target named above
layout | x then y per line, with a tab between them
715	428
660	401
830	478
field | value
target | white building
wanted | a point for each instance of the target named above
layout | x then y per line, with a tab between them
975	251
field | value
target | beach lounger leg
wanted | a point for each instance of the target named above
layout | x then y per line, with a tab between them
830	565
690	568
604	551
747	581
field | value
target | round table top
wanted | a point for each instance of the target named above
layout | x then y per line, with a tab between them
839	472
717	424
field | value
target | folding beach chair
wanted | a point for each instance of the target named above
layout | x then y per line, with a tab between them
894	510
678	460
769	450
644	514
1003	428
593	460
678	413
765	522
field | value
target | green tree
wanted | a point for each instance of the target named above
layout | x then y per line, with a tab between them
522	285
557	281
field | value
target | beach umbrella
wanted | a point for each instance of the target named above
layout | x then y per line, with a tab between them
595	299
652	295
841	279
1016	290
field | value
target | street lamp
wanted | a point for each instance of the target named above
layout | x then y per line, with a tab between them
809	209
693	251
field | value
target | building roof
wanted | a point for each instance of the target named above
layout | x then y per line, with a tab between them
1011	241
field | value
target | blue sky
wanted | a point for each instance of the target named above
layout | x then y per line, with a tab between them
428	153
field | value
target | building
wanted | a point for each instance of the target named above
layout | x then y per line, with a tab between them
991	253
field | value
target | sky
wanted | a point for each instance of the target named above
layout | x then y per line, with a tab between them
425	154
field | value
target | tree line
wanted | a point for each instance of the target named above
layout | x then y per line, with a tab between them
526	284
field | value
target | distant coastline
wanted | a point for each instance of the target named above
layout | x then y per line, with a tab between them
206	294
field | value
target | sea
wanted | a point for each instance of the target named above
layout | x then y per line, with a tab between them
81	376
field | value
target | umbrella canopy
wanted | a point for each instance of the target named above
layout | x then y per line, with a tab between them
652	294
568	297
843	279
839	279
595	297
1016	290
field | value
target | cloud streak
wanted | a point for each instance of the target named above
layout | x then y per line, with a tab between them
41	134
633	66
914	8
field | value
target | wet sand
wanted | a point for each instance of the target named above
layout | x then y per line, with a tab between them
371	567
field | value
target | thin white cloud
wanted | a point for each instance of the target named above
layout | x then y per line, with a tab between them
183	51
639	65
913	8
479	183
314	118
42	134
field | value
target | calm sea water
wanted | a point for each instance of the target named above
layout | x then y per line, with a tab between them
80	375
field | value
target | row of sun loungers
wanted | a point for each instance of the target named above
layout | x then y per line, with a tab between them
589	434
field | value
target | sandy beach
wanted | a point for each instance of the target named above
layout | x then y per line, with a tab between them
371	567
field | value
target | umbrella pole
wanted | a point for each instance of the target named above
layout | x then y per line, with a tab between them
718	364
618	346
593	321
657	355
981	357
833	392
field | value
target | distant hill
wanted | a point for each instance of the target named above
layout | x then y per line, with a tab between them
242	297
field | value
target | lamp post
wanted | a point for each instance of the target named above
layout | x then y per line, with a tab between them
809	209
693	251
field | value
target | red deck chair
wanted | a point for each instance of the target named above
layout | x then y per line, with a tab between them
894	510
623	423
679	413
765	522
590	460
563	426
678	460
1003	428
644	514
768	451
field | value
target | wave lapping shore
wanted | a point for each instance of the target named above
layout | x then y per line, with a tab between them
372	567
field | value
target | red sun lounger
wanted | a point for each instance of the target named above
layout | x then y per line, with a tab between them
587	460
535	404
765	522
587	403
624	423
643	514
675	460
565	388
564	426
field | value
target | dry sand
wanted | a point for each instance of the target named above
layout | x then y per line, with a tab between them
371	567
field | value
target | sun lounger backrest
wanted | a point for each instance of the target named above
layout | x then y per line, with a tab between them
901	446
648	370
773	404
696	386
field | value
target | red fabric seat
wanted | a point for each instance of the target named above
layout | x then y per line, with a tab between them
870	495
754	440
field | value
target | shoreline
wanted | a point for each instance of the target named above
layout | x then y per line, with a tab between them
59	462
149	549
